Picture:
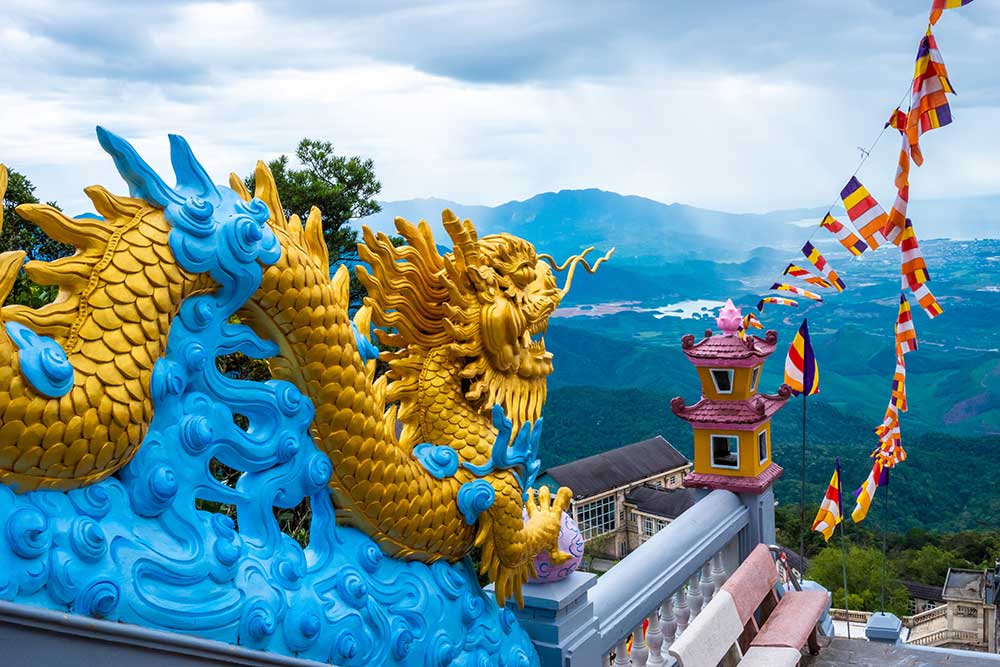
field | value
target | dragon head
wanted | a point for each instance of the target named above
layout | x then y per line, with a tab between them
487	303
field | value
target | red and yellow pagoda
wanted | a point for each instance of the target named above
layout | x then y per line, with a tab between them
732	421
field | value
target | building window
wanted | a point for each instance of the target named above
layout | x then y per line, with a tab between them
762	445
723	379
648	527
597	517
725	451
632	517
754	378
658	484
673	480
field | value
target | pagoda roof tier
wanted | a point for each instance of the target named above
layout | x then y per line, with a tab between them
729	348
708	413
756	485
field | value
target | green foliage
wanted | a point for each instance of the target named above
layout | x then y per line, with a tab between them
864	576
929	564
19	234
341	187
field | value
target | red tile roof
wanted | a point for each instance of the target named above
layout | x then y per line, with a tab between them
729	346
750	411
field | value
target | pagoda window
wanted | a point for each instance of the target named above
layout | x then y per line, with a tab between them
725	451
754	378
723	379
598	517
762	445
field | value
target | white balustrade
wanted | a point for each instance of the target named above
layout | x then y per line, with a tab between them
640	652
621	654
665	583
654	640
669	623
707	585
695	600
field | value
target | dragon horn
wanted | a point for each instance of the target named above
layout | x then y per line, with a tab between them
190	174
463	236
142	181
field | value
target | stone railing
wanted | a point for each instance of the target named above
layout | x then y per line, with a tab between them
851	616
945	637
925	617
584	621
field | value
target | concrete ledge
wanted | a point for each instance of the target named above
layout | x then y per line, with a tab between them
35	636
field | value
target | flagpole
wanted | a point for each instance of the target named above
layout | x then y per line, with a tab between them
802	486
843	547
885	518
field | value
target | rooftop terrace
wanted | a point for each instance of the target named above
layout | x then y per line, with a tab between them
859	653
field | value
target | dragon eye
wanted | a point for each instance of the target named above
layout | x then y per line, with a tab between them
523	276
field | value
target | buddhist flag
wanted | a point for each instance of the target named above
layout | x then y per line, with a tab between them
785	287
801	369
750	320
912	265
864	211
815	257
804	274
776	300
879	476
897	401
929	108
830	511
906	335
893	229
926	300
938	6
899	120
846	236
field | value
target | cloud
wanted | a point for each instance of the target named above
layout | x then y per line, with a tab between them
731	105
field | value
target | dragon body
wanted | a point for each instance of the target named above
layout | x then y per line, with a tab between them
423	460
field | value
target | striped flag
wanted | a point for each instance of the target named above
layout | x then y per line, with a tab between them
780	301
899	121
912	266
750	320
801	368
879	476
785	287
830	510
864	211
926	300
906	335
816	258
897	401
804	274
846	236
929	108
938	6
893	229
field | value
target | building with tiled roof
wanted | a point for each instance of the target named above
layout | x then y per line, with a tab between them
624	496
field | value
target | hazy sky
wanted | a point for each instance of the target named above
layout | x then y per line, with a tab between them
741	105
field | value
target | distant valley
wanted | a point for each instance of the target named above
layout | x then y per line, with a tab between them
616	339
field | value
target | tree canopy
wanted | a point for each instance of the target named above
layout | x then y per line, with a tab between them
20	234
343	188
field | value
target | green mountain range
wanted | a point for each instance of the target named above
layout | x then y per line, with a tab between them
616	338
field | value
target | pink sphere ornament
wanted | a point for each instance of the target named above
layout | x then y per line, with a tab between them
570	541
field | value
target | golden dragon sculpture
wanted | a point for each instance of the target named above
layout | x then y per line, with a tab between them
463	332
